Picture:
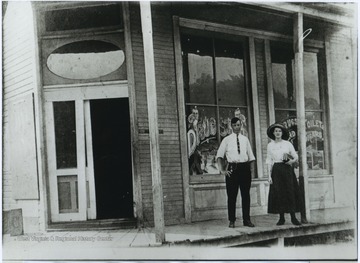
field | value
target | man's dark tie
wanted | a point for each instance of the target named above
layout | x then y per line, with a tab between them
238	143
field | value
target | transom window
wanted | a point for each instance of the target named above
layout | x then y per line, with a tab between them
82	44
215	92
84	17
285	102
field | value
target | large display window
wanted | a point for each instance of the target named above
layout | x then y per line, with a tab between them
215	91
285	102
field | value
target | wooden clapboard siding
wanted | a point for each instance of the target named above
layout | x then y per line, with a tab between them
167	113
141	110
344	94
342	103
262	98
169	141
19	82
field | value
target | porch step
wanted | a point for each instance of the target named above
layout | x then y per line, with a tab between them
291	232
91	225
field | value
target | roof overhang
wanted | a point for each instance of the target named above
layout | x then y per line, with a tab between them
344	14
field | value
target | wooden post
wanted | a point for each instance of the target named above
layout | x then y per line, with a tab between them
146	25
300	110
133	116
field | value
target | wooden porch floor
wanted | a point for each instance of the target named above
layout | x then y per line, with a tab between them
216	233
211	239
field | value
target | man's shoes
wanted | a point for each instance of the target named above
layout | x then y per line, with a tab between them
280	222
232	224
295	222
248	223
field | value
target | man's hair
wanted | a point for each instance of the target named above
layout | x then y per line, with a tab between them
235	120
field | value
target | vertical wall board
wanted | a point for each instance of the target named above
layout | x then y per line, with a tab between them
23	149
141	111
167	108
343	119
262	94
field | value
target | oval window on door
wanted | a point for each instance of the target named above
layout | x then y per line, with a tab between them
85	59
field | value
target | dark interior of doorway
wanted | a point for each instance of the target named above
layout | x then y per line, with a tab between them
110	121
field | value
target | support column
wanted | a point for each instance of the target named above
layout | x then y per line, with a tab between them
300	111
280	242
146	25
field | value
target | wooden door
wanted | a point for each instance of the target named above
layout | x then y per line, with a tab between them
69	149
65	129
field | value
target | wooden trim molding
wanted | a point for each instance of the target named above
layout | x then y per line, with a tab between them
133	116
329	99
255	102
241	31
182	119
269	82
40	135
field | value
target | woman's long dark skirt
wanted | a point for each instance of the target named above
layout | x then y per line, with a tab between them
284	193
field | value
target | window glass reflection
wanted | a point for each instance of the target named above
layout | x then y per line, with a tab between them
311	81
84	17
284	91
198	69
282	76
65	134
85	59
230	81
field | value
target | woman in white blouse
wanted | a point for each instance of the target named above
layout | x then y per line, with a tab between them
284	189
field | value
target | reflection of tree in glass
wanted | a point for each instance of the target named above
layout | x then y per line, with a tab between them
311	103
202	89
283	102
232	90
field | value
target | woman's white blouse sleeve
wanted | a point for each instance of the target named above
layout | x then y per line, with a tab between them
292	151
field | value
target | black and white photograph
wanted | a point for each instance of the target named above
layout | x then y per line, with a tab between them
179	130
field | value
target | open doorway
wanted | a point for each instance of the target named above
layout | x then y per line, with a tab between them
110	122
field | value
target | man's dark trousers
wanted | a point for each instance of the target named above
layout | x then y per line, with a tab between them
240	177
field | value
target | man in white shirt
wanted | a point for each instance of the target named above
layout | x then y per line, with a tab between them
237	150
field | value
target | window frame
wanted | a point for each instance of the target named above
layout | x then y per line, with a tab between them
181	23
82	31
213	36
182	27
216	105
324	102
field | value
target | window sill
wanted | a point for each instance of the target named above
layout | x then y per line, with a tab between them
206	178
317	173
215	178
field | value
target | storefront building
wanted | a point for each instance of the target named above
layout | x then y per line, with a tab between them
76	141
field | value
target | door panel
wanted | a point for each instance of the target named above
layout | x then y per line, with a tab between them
90	182
88	138
66	160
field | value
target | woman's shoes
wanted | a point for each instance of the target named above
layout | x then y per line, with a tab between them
280	222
